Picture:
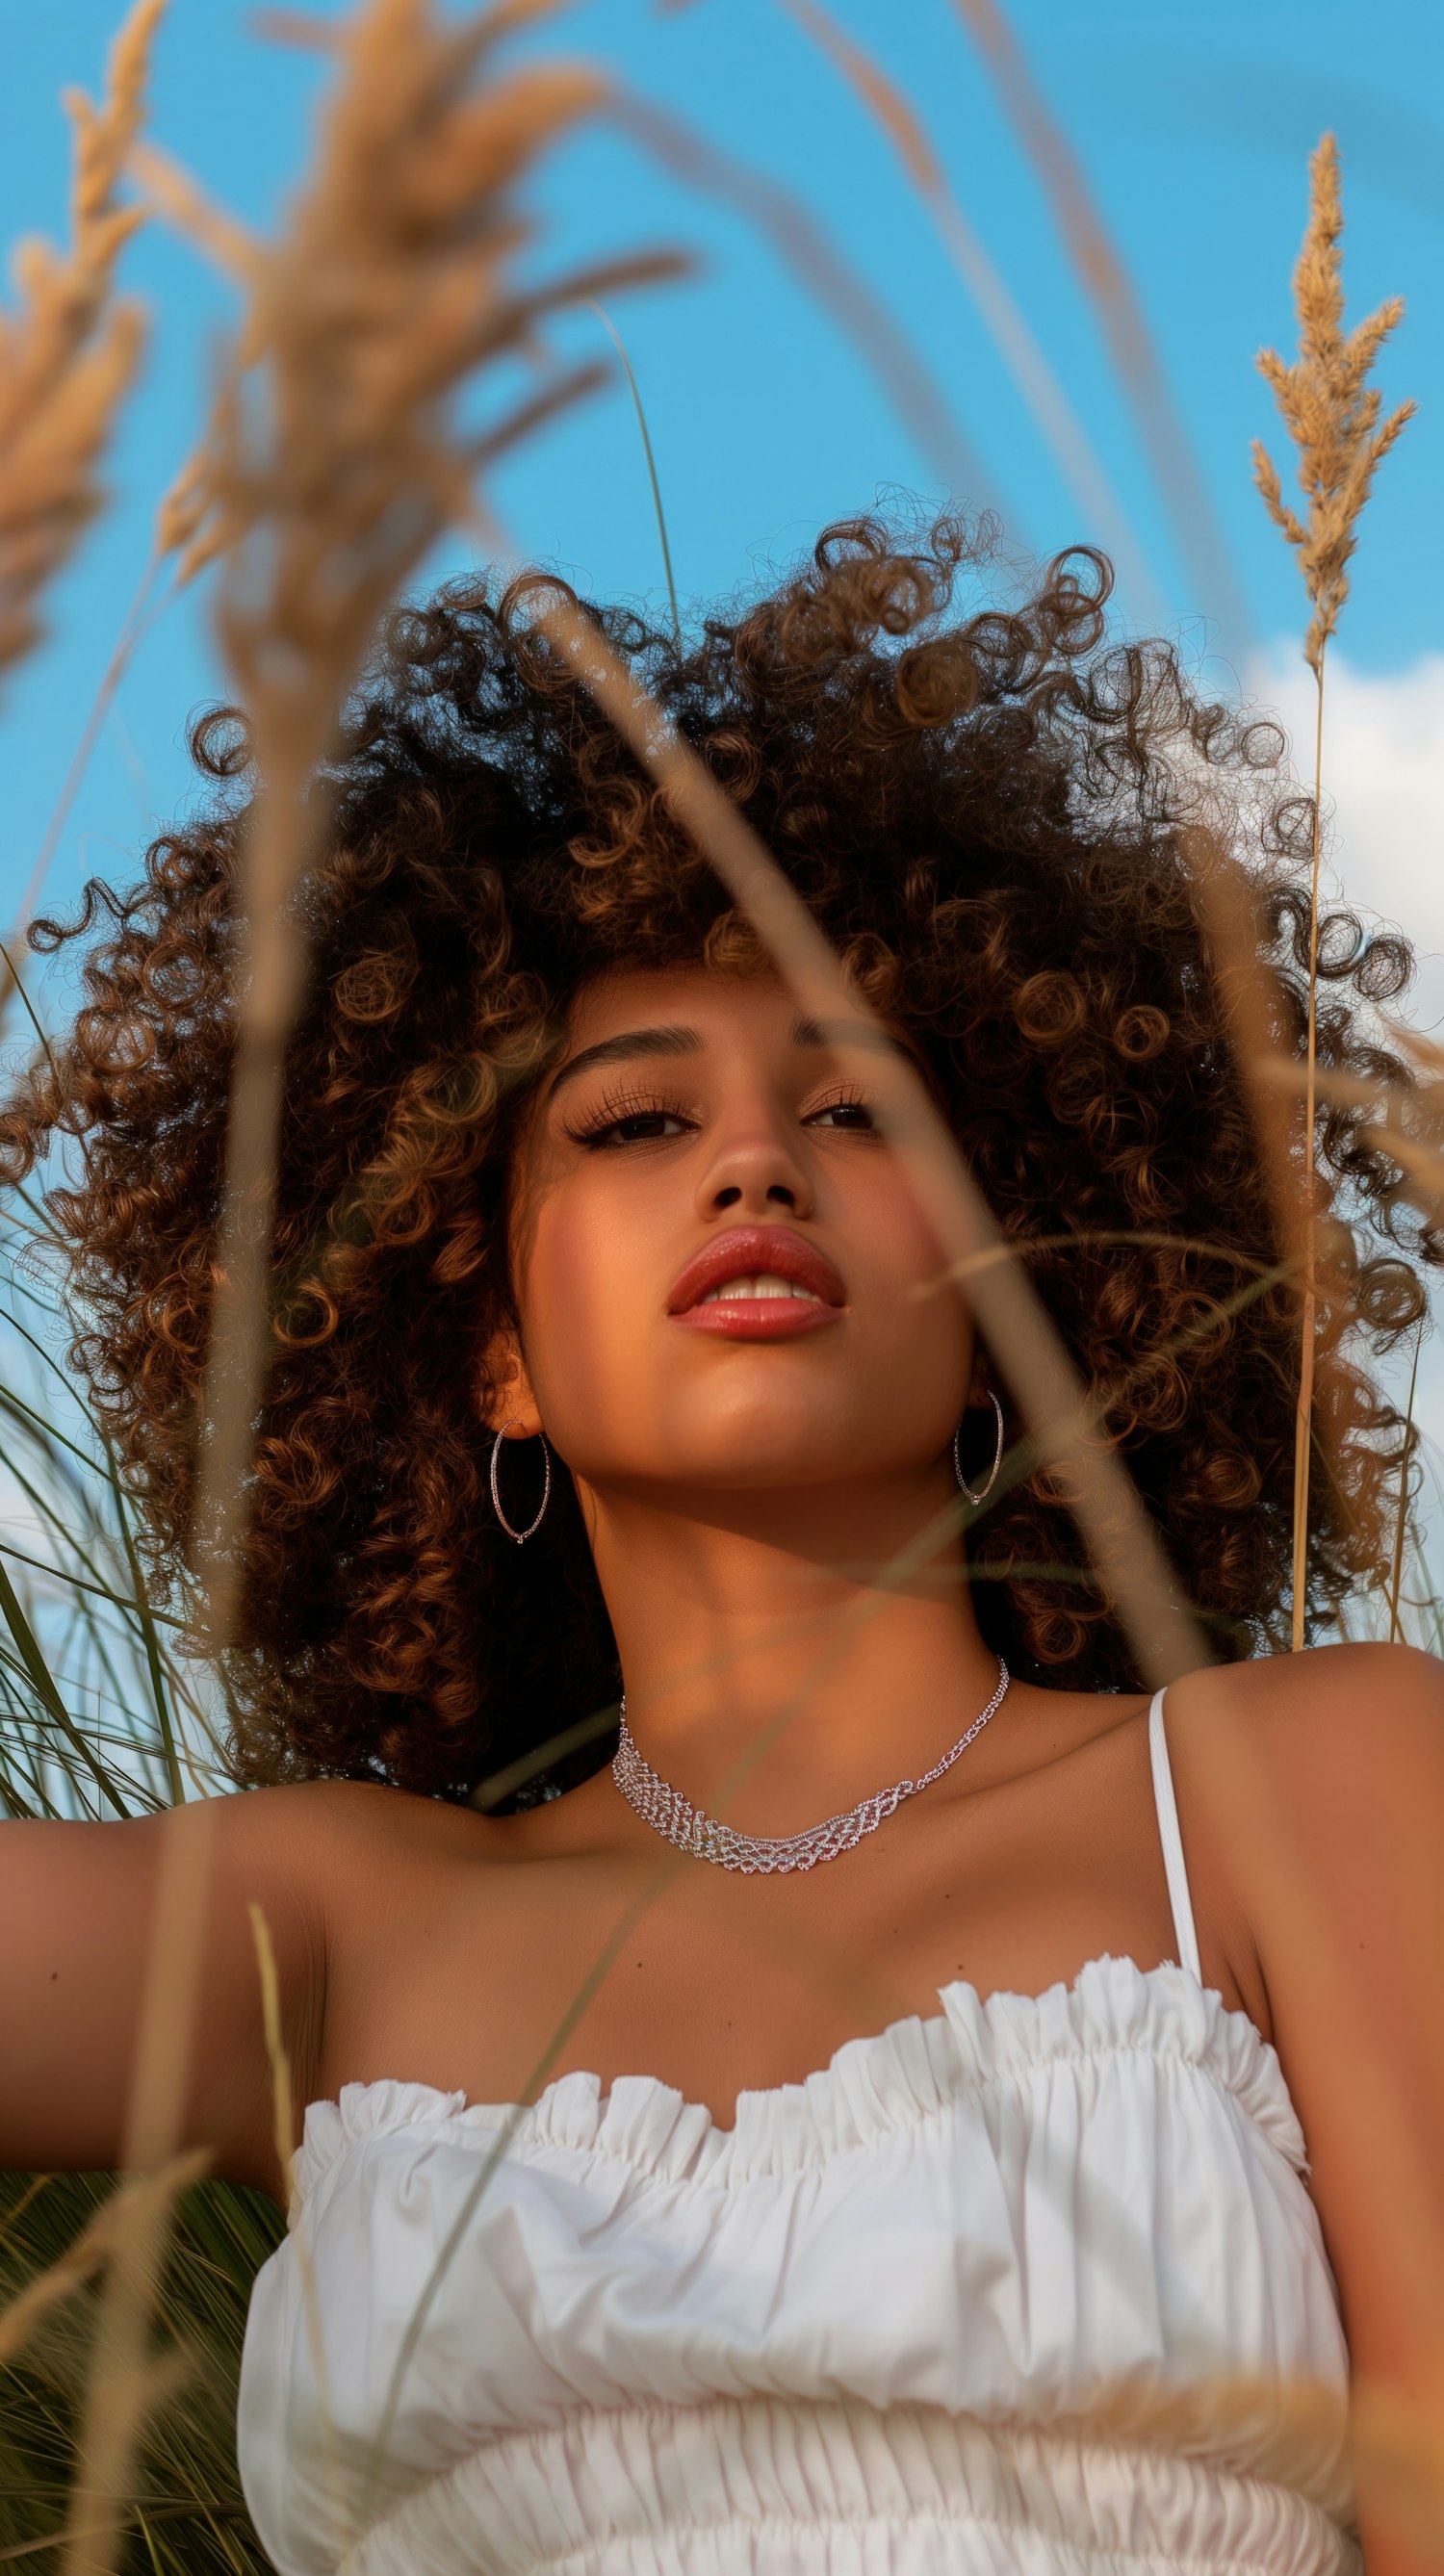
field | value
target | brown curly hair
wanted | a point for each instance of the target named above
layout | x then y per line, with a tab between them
986	812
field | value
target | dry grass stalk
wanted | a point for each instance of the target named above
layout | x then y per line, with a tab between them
897	366
182	515
66	359
1268	1069
284	2131
1229	911
1331	413
131	2387
1019	1332
1106	280
334	462
94	2246
133	626
1421	1155
175	192
1377	2137
1024	1342
68	354
1425	1050
278	2056
1250	1811
1007	324
123	2382
1418	1148
80	761
185	528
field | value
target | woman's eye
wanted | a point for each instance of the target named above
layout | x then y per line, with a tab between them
636	1127
845	1113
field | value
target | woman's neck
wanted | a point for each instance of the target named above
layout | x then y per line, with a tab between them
788	1652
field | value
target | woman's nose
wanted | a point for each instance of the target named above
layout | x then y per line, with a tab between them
752	1174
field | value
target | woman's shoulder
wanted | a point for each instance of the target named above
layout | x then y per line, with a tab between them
1313	1784
1331	1760
1328	1702
1310	1791
334	1837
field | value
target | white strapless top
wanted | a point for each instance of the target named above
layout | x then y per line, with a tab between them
959	2303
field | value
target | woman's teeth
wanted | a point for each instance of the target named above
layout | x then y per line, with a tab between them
758	1283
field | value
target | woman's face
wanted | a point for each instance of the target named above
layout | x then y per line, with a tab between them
718	1258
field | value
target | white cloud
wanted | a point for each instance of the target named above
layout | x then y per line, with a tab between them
1383	790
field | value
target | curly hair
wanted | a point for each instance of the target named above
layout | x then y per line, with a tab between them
988	812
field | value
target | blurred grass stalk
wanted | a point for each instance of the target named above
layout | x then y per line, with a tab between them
1253	1817
1226	902
333	463
900	370
1105	278
1389	2171
177	535
1105	519
68	355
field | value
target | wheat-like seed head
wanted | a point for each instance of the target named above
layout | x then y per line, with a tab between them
69	349
177	194
333	459
1329	408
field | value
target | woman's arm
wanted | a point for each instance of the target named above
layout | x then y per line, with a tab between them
1334	1808
78	1915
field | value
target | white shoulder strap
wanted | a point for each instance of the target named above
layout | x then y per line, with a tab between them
1172	1841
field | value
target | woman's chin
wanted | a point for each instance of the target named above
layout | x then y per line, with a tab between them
733	1467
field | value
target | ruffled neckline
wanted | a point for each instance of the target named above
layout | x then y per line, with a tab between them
871	2087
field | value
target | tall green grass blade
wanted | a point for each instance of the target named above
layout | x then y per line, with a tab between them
154	1660
1401	1522
80	1583
619	344
46	1691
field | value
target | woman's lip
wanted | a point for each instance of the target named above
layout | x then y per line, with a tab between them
759	1319
745	1251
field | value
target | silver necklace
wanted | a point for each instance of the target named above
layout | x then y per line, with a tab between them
673	1816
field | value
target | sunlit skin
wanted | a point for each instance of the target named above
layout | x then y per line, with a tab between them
747	1479
727	1475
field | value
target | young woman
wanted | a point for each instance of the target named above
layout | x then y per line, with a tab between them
915	2194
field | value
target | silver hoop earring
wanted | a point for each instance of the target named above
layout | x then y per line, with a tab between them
997	1456
520	1536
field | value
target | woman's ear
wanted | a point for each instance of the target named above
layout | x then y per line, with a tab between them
505	1388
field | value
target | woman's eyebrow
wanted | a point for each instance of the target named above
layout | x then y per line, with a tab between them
629	1044
865	1034
622	1049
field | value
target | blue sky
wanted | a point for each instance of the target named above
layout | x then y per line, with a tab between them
1194	128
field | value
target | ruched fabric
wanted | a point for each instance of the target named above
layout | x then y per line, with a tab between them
1030	2285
